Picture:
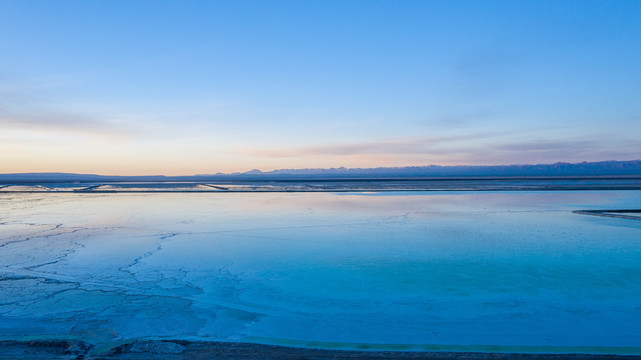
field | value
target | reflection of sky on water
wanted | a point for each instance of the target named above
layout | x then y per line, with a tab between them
440	268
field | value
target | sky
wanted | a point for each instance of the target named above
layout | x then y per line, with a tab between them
201	87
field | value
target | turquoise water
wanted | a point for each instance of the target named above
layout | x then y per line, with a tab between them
492	271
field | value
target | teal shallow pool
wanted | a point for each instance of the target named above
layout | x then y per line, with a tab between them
488	271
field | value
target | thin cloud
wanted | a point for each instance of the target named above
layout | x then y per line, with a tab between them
550	145
396	146
462	119
26	112
478	149
549	151
69	123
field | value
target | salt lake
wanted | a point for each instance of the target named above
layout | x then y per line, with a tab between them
488	271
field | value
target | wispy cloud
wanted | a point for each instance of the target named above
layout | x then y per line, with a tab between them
570	145
61	122
26	110
546	150
393	146
462	119
490	148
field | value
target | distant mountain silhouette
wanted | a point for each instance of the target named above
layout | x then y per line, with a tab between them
601	168
557	169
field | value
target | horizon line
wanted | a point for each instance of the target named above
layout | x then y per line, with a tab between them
341	168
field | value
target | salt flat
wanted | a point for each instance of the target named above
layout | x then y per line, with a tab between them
460	271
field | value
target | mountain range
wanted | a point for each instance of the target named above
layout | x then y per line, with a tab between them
560	169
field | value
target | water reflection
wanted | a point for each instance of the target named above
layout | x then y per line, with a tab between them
441	268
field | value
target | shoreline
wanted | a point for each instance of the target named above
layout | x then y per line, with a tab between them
328	190
334	185
612	213
54	349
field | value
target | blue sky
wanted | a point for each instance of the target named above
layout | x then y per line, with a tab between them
187	87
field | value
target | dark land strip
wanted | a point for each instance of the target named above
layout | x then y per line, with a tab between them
178	350
333	185
621	214
319	190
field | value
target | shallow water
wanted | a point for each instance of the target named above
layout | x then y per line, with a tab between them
496	270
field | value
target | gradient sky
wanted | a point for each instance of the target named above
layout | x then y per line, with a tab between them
199	87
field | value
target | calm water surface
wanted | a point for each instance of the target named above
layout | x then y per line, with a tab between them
490	270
